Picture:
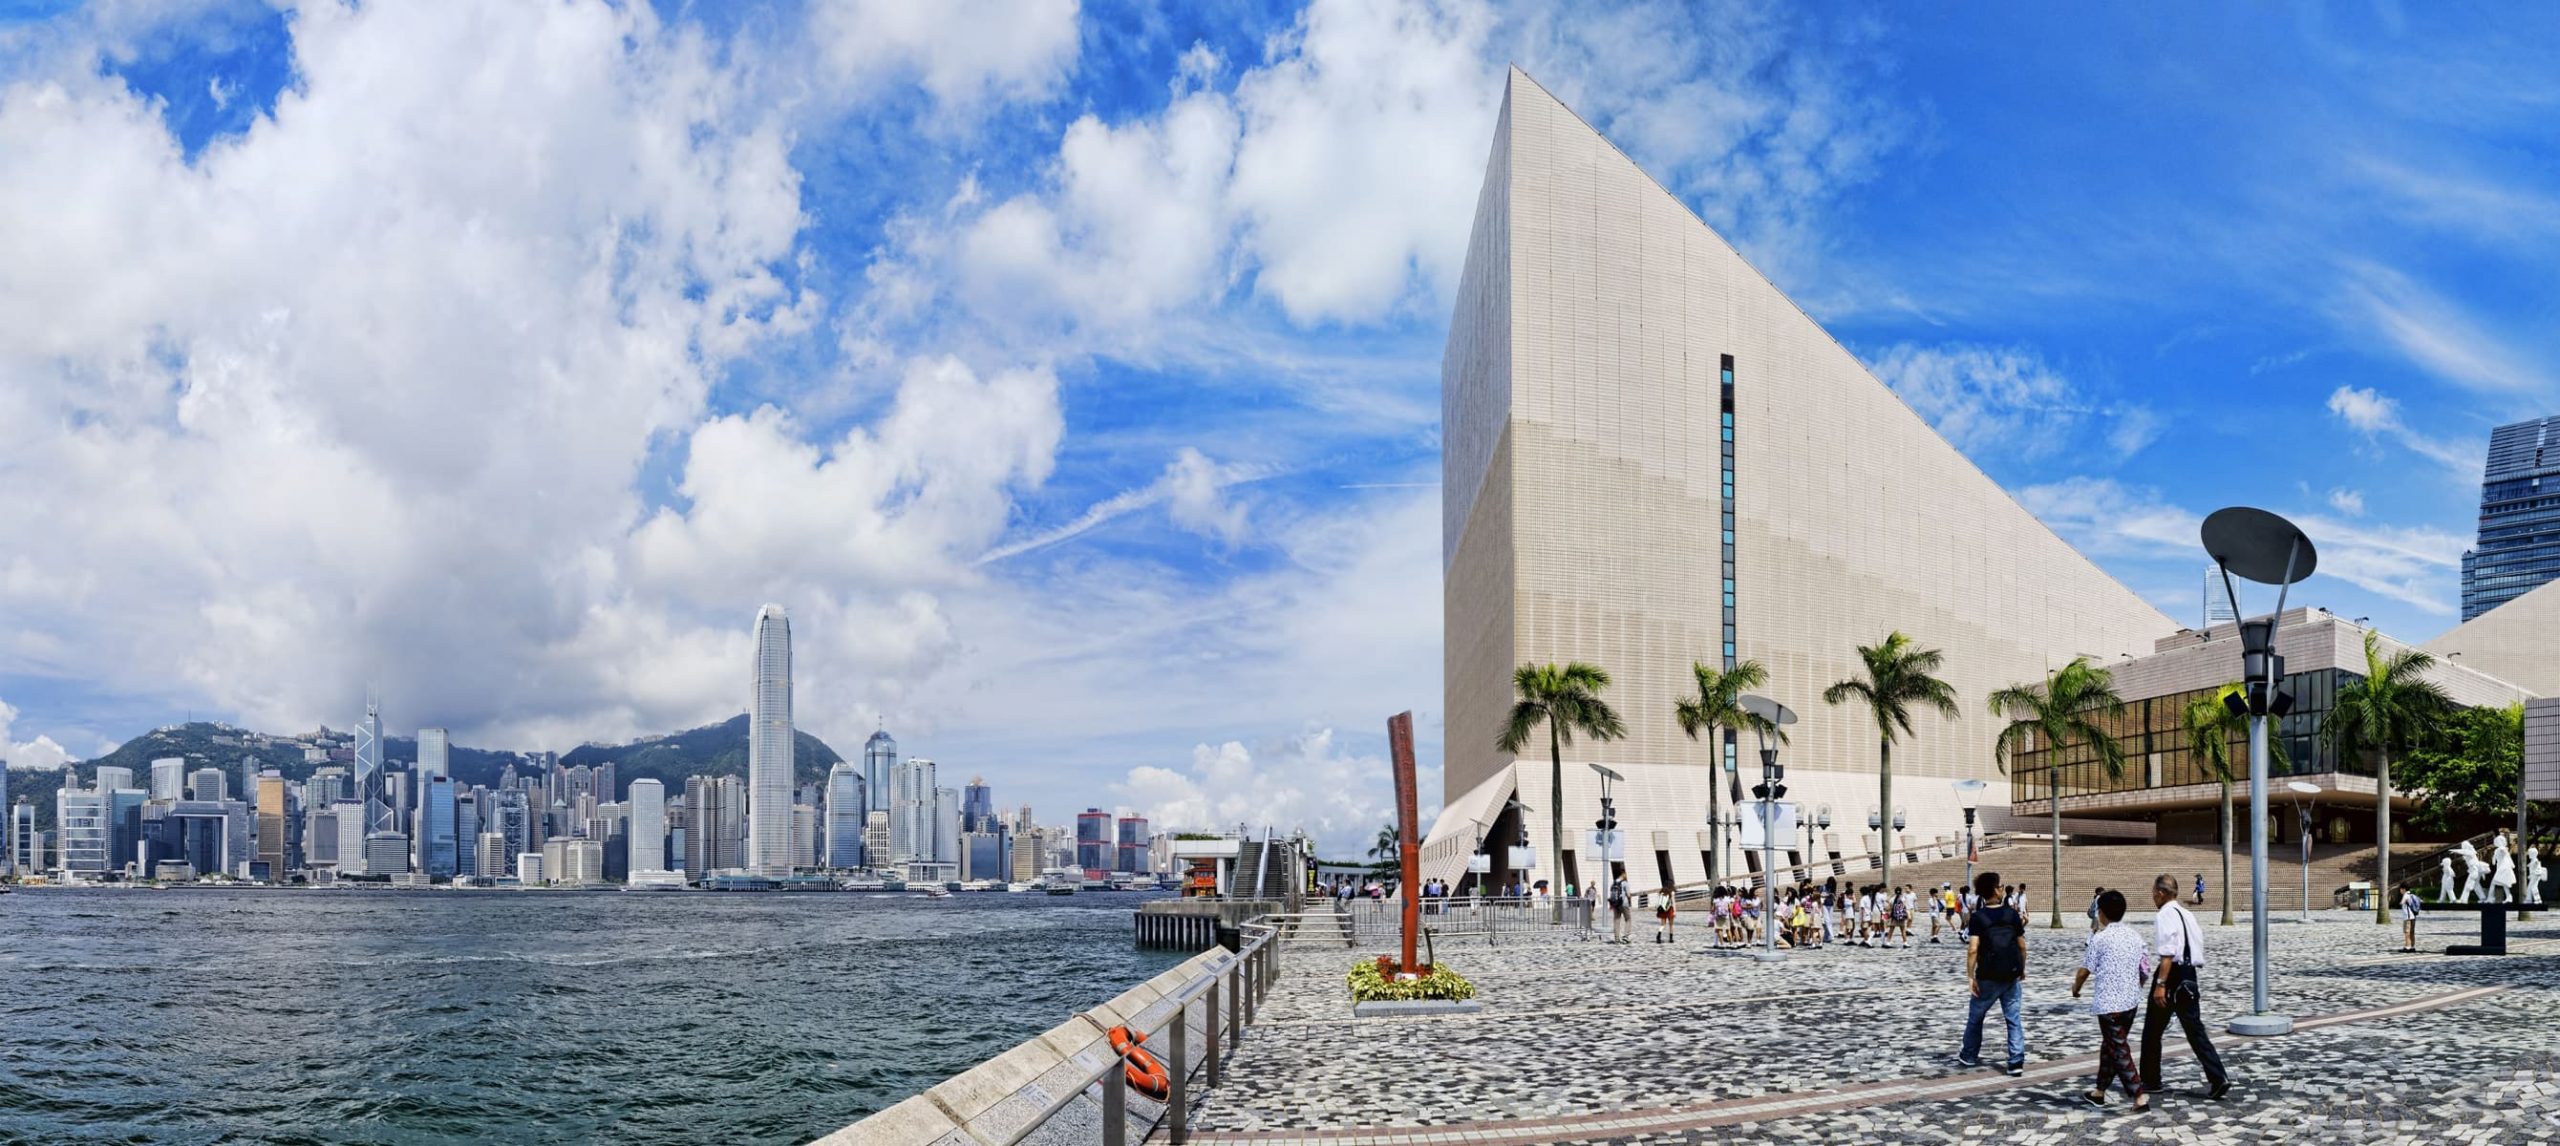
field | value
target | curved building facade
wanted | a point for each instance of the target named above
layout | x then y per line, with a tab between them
769	747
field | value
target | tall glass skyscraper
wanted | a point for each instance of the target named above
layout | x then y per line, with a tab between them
848	803
648	826
2519	544
879	762
769	747
435	752
437	838
378	815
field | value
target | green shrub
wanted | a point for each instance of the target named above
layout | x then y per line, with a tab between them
1371	984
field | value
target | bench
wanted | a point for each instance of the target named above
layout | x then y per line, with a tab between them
2493	925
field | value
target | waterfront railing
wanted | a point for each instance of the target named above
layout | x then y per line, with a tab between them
1224	998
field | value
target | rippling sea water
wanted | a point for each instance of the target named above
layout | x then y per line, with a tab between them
245	1016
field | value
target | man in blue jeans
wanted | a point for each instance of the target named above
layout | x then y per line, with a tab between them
1995	964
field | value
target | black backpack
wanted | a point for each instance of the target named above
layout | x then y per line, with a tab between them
2003	958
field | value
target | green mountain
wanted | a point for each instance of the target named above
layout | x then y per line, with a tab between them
712	750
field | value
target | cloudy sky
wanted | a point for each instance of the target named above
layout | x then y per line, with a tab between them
1071	373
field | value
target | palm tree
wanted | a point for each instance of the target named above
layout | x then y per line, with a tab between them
2390	706
2211	726
2062	711
1384	848
1899	675
1718	707
1566	700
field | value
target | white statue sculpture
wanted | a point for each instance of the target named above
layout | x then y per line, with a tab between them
2475	884
2533	875
2444	894
2502	880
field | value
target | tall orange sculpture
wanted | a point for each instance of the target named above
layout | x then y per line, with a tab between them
1400	744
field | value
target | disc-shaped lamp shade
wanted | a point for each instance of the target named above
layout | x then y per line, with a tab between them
1608	775
2306	789
2255	544
1769	710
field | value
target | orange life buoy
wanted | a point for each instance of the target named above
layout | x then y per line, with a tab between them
1142	1070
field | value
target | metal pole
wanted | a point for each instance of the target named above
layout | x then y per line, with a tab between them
1217	1070
1177	1111
2305	811
1115	1104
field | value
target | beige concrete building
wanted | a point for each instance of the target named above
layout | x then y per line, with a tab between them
1602	334
2517	641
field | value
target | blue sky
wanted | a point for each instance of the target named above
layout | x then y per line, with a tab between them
1072	373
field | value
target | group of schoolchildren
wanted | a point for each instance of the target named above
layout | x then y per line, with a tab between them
1871	915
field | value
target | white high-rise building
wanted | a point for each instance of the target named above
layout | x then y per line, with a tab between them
847	804
169	778
111	777
648	834
946	825
769	747
911	811
350	825
492	861
435	752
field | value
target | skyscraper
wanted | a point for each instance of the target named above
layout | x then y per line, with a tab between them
714	820
648	826
169	778
1094	849
911	811
946	825
467	820
1133	844
436	834
435	752
879	759
378	815
206	784
848	801
349	817
2217	601
978	807
2519	542
271	820
769	747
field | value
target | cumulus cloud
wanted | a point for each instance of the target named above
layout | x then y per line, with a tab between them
2006	399
2377	416
966	53
373	392
2347	501
41	754
1303	782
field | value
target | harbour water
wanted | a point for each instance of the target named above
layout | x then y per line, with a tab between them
241	1016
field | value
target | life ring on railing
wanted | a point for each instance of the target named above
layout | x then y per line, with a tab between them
1142	1070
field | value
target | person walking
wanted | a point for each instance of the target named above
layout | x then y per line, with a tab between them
2094	897
2178	943
2199	889
2409	919
2114	963
1995	964
1663	915
1622	924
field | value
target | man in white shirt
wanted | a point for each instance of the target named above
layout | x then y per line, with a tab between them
2179	944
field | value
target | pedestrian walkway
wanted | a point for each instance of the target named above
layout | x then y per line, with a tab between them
1655	1043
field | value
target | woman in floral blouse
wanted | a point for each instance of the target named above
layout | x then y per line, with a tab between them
2115	965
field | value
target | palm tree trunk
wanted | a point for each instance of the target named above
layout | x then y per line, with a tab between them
1715	814
2226	853
1555	805
2053	797
1884	817
2382	841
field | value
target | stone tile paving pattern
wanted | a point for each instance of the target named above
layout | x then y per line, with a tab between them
1578	1034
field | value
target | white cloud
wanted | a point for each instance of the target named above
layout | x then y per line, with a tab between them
2347	501
41	754
966	53
2007	399
2411	564
1304	782
1192	489
2435	334
2377	415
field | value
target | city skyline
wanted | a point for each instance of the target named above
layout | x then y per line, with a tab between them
1079	387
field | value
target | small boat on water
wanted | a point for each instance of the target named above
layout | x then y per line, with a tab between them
1021	887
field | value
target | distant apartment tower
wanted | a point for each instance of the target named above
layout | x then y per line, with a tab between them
875	839
648	826
879	760
1133	844
2518	547
1094	849
715	819
769	746
914	817
946	825
848	806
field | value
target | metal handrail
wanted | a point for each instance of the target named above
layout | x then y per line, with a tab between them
1246	976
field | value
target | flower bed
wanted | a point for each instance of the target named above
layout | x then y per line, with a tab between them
1374	981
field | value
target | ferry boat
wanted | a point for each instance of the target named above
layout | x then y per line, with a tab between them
1019	887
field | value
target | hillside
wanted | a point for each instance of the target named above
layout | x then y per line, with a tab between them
713	749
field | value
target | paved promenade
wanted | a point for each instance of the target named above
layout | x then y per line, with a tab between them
1660	1044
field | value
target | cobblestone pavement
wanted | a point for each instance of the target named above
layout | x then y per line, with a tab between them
1689	1045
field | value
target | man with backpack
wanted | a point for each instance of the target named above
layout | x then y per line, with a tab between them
1622	924
1995	964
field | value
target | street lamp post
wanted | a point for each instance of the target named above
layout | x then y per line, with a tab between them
2258	546
1773	716
1606	838
1969	792
2305	797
